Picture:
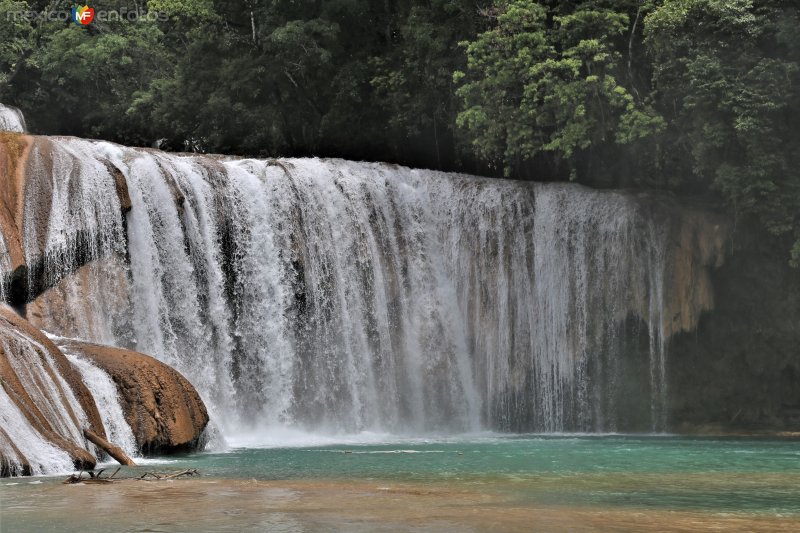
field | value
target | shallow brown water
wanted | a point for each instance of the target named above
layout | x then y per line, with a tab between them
331	505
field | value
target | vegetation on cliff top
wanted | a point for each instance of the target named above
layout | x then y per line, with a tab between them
699	96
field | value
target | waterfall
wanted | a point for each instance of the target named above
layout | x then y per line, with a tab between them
40	415
11	119
336	296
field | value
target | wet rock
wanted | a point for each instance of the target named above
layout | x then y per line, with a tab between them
26	200
163	409
30	368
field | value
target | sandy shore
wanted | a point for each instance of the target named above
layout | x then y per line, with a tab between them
316	506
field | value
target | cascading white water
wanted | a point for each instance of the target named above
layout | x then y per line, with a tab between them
106	396
52	405
71	208
11	119
43	456
338	296
38	373
5	266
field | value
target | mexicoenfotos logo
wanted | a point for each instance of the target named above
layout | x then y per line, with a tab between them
82	16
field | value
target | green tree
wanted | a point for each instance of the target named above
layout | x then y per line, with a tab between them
414	80
16	41
729	74
92	75
552	81
79	80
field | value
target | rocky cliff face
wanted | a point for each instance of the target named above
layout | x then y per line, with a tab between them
46	401
739	369
13	156
36	199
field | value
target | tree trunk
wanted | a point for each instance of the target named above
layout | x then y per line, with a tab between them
112	450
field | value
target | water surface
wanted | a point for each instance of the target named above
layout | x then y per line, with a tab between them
482	483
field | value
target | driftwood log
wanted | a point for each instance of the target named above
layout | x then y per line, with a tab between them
92	479
95	477
161	476
114	451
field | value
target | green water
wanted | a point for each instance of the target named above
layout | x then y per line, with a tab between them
729	474
716	479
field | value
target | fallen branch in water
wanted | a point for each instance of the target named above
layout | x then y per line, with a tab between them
95	477
161	476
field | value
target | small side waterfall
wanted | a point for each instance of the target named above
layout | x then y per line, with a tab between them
44	457
11	119
105	395
42	413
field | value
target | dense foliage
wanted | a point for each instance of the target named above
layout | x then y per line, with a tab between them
699	96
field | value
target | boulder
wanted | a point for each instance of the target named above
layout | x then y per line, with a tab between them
162	408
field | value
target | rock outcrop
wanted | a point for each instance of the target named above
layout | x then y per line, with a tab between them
45	407
698	248
14	149
42	392
739	370
30	197
163	409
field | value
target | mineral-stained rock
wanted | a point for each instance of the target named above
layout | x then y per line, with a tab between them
27	195
30	368
163	409
14	150
46	408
